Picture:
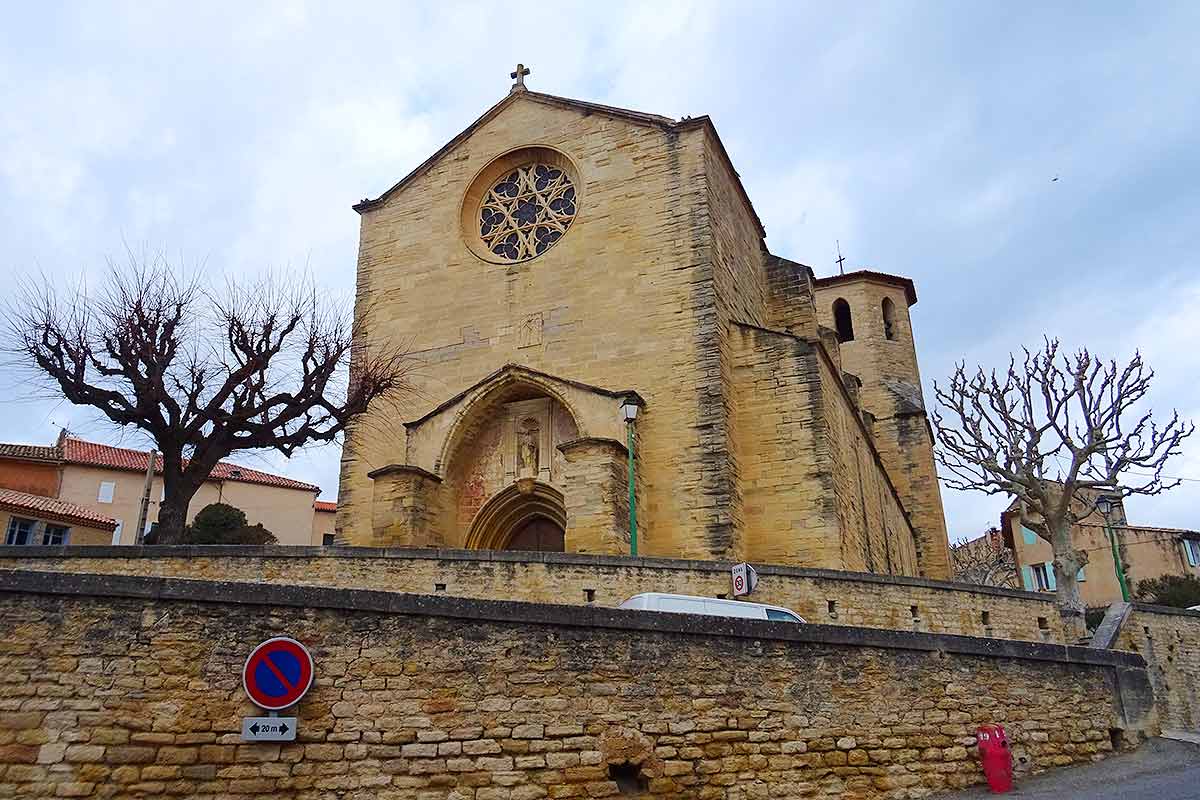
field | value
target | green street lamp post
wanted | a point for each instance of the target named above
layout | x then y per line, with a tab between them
1104	506
629	411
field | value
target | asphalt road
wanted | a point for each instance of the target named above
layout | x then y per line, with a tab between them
1161	769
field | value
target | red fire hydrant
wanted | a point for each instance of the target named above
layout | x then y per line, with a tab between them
995	757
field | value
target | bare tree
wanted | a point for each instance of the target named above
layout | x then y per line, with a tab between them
1057	432
204	373
984	561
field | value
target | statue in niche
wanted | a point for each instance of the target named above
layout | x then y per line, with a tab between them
527	447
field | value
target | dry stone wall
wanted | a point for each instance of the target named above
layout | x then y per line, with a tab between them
1169	640
824	596
130	687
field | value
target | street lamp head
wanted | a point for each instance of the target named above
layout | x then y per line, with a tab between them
1104	504
630	405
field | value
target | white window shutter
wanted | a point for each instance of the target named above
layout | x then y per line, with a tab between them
107	488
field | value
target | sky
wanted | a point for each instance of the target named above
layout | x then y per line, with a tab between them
924	137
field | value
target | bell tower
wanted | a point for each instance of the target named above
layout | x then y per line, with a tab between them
869	312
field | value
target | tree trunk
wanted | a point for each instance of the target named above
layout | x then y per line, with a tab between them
1067	563
173	513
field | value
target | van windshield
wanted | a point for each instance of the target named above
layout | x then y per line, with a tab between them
781	616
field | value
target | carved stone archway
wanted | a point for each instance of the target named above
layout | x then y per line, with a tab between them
511	509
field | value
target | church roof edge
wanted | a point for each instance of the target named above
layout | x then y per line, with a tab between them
910	290
637	117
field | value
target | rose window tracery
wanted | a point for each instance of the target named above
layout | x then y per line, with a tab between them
526	211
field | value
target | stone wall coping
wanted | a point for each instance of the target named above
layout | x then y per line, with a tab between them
1153	609
512	612
502	556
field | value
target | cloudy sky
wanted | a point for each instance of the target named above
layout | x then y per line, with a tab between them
923	136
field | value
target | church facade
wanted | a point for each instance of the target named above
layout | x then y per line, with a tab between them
558	259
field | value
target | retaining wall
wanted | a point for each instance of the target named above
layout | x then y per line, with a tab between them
823	596
130	686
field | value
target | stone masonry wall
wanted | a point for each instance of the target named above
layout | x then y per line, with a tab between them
131	687
814	489
825	596
639	243
876	534
1169	640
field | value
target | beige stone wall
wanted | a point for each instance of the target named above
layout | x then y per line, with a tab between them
829	597
664	260
617	297
1169	640
814	491
891	392
79	535
876	536
288	513
142	697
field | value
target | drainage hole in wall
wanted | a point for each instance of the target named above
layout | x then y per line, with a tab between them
1117	737
589	595
628	778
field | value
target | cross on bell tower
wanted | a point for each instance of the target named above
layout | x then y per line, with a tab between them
519	78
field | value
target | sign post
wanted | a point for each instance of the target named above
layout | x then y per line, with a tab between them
745	579
276	675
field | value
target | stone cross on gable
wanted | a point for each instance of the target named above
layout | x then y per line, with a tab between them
519	78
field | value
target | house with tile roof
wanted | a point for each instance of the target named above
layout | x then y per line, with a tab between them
107	481
1113	545
31	519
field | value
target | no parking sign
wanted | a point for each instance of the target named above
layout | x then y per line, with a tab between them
278	673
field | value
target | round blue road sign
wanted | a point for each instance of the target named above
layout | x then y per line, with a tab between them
278	673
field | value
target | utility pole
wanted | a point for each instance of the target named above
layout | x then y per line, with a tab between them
144	510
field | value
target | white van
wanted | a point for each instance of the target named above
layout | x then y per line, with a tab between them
711	606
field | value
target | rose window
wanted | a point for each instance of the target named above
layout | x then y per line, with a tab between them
526	211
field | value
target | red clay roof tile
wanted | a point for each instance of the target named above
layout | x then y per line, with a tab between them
93	454
50	508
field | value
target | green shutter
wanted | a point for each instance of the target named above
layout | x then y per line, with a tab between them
1050	576
1029	536
1079	576
1027	578
1191	554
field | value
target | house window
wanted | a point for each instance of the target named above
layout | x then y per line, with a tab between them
20	531
328	539
1191	549
889	318
117	533
56	534
842	320
107	489
1043	576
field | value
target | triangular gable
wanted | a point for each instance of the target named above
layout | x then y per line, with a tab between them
635	117
627	115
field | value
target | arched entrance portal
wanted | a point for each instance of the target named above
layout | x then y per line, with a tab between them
528	515
538	534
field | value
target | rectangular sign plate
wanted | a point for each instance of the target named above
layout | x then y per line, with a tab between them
268	729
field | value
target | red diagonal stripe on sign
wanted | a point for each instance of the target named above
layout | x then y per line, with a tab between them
271	666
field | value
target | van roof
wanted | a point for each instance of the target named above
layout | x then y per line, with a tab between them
708	599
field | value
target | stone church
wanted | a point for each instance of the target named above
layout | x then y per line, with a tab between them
559	259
